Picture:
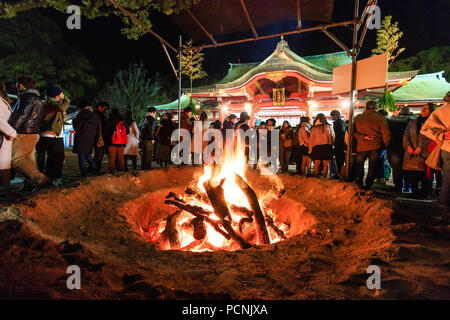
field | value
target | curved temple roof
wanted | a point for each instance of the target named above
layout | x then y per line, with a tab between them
317	68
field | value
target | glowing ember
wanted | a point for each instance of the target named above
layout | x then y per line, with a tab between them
220	211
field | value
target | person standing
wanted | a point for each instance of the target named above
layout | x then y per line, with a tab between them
437	128
339	142
148	131
51	140
395	152
286	143
321	144
242	124
86	129
7	135
416	145
165	129
304	141
132	148
26	120
371	132
100	146
116	139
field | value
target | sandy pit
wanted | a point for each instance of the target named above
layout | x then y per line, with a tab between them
97	225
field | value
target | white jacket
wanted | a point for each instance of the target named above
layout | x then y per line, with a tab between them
5	129
132	147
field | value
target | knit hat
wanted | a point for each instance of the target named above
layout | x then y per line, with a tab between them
53	91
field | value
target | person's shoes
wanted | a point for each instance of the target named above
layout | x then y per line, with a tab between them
335	177
42	183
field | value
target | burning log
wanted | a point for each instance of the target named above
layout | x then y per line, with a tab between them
277	230
242	221
199	228
199	213
249	213
261	228
198	194
194	244
237	238
173	196
170	231
216	196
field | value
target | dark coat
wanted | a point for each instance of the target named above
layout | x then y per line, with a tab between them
339	134
86	130
148	129
165	130
27	113
397	127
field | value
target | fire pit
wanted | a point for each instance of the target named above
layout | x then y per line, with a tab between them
220	210
116	227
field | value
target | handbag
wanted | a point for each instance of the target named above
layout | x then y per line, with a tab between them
434	159
412	162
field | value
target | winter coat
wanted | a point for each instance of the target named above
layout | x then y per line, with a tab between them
437	125
53	116
339	133
321	135
304	135
397	128
86	130
5	130
166	127
132	147
148	128
286	134
414	139
371	124
110	129
27	113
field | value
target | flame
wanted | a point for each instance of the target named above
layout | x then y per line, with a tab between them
235	163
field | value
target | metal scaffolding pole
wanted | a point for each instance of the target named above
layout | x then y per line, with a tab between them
179	85
353	93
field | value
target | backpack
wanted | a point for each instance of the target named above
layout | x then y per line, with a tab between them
120	135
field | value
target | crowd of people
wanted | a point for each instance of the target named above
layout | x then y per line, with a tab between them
402	143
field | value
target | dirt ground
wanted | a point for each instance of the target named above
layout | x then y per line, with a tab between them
95	224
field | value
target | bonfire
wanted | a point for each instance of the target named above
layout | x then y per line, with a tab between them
220	211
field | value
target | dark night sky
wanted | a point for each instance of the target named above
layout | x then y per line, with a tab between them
424	23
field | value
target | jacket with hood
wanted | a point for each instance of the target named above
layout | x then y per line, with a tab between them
27	113
53	115
86	127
